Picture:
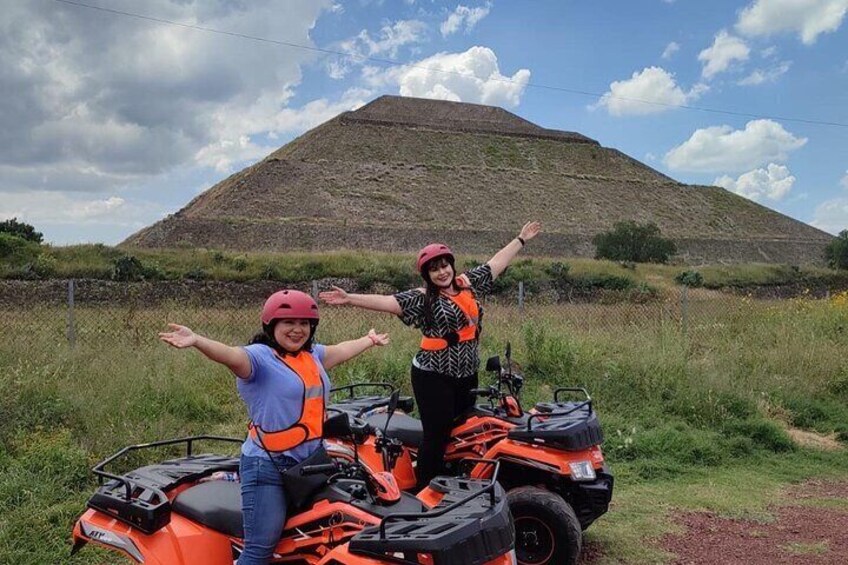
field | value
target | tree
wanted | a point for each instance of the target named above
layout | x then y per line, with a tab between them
21	230
630	241
836	251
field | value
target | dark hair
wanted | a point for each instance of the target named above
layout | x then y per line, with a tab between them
266	337
431	294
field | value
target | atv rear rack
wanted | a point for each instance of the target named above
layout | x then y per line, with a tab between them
572	426
138	498
465	528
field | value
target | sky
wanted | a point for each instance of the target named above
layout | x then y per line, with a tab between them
115	113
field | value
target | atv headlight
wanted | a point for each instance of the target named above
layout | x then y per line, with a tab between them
582	471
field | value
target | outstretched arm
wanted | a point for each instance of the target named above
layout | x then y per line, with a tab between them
501	260
346	350
234	358
377	302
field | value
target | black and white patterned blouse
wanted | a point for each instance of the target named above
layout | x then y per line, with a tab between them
461	359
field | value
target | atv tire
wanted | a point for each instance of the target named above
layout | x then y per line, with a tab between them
547	531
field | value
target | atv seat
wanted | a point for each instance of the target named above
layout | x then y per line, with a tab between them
215	504
403	427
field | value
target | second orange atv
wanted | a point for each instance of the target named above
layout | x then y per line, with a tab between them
551	463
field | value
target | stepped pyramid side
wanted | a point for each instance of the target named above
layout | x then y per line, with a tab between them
400	172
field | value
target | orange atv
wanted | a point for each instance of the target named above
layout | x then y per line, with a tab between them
171	514
550	458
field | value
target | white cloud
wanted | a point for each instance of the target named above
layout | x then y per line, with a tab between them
104	100
388	42
670	50
773	182
723	149
831	215
807	18
760	76
236	145
648	91
471	76
464	15
844	181
720	56
40	208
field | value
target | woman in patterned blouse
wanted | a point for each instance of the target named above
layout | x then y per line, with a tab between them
446	310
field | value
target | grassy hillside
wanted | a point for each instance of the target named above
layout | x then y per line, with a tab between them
694	421
394	270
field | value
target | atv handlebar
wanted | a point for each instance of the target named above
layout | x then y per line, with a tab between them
350	388
325	468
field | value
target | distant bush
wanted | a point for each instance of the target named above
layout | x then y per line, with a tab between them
129	268
836	251
16	251
690	278
21	230
630	241
197	274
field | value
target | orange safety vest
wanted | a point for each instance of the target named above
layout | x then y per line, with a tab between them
467	303
310	424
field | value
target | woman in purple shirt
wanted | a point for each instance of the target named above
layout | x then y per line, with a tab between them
283	381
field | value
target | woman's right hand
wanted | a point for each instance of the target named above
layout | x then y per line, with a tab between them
336	296
180	336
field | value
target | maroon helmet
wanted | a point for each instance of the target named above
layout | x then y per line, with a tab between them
289	304
433	251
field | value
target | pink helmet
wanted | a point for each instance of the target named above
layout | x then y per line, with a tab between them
288	304
433	251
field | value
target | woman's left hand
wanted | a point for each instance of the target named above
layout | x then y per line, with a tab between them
530	230
378	339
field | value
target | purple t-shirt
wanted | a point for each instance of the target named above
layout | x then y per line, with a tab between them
273	394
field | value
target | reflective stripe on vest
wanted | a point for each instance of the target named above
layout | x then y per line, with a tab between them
310	425
466	302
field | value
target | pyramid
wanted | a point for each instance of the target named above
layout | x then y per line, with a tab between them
401	172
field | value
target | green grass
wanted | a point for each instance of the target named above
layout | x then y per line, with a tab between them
97	261
693	420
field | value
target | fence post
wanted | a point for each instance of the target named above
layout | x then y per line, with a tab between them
72	338
521	296
315	290
684	307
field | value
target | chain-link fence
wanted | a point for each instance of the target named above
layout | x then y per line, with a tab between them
84	315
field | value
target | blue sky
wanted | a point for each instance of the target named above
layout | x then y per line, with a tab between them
110	120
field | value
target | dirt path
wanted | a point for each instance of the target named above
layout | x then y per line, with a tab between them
810	528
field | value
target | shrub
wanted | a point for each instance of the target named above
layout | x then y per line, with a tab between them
15	250
240	263
836	251
630	241
129	268
690	278
196	274
21	230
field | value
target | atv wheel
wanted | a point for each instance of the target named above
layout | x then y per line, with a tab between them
547	531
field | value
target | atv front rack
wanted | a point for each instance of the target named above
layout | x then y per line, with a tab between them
138	497
465	528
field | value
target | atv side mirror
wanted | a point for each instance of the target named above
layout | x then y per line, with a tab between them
508	353
393	404
337	426
493	364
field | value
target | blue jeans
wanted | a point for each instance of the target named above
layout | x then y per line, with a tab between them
263	503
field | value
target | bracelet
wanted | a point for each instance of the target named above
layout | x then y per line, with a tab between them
521	241
372	338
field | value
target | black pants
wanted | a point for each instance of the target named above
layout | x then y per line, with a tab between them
440	399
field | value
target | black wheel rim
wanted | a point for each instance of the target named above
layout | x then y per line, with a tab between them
534	541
